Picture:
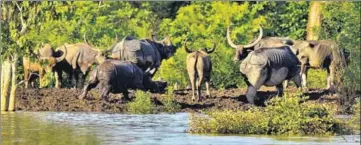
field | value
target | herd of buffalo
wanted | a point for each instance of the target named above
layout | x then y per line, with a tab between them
268	61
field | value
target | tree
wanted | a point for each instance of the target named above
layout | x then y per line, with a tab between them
314	20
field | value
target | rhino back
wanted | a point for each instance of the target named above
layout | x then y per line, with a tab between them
279	56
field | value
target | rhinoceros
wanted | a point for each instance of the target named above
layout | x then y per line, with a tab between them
118	76
269	67
147	54
199	68
320	54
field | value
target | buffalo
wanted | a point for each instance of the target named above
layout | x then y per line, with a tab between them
260	42
147	54
199	67
270	67
77	59
320	54
117	77
33	67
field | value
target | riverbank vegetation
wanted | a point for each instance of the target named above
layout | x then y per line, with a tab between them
288	115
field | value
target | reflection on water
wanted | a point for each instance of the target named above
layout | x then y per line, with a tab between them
98	128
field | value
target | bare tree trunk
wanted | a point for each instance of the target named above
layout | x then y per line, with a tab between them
5	78
13	83
314	21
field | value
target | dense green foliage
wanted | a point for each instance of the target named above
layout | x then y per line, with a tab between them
142	104
203	22
282	116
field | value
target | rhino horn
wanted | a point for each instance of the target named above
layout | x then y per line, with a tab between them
214	48
185	46
58	59
257	40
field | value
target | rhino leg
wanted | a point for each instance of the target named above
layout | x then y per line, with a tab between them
92	84
251	94
105	92
125	94
279	90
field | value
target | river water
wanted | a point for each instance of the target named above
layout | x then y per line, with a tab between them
53	128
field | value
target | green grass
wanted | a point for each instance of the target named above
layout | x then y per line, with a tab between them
142	104
168	103
316	78
288	115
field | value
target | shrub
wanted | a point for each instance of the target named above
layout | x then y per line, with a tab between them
142	104
287	115
356	118
169	105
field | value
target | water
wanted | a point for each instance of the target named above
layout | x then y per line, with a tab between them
42	128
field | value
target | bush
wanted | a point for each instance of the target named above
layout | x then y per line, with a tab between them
356	118
142	104
169	105
282	116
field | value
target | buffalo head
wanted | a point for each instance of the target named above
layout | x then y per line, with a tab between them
47	53
205	50
168	48
240	49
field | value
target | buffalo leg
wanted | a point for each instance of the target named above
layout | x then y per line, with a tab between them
192	78
41	77
207	86
26	78
199	85
153	71
279	90
251	94
285	84
76	77
58	78
330	77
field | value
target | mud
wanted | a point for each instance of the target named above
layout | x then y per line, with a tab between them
52	99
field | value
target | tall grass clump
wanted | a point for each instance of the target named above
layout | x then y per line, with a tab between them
168	103
288	115
142	104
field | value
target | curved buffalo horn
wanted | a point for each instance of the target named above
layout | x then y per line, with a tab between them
84	37
257	40
214	48
229	39
185	46
62	56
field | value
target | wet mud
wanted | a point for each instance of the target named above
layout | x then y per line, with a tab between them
52	99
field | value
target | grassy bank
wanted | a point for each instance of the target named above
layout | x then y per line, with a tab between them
289	115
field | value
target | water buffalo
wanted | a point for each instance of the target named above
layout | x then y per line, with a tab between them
270	67
33	67
77	59
320	54
147	54
118	76
260	42
199	67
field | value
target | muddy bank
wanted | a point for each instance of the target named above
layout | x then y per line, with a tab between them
52	99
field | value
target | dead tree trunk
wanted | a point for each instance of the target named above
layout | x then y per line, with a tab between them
314	21
13	83
5	78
